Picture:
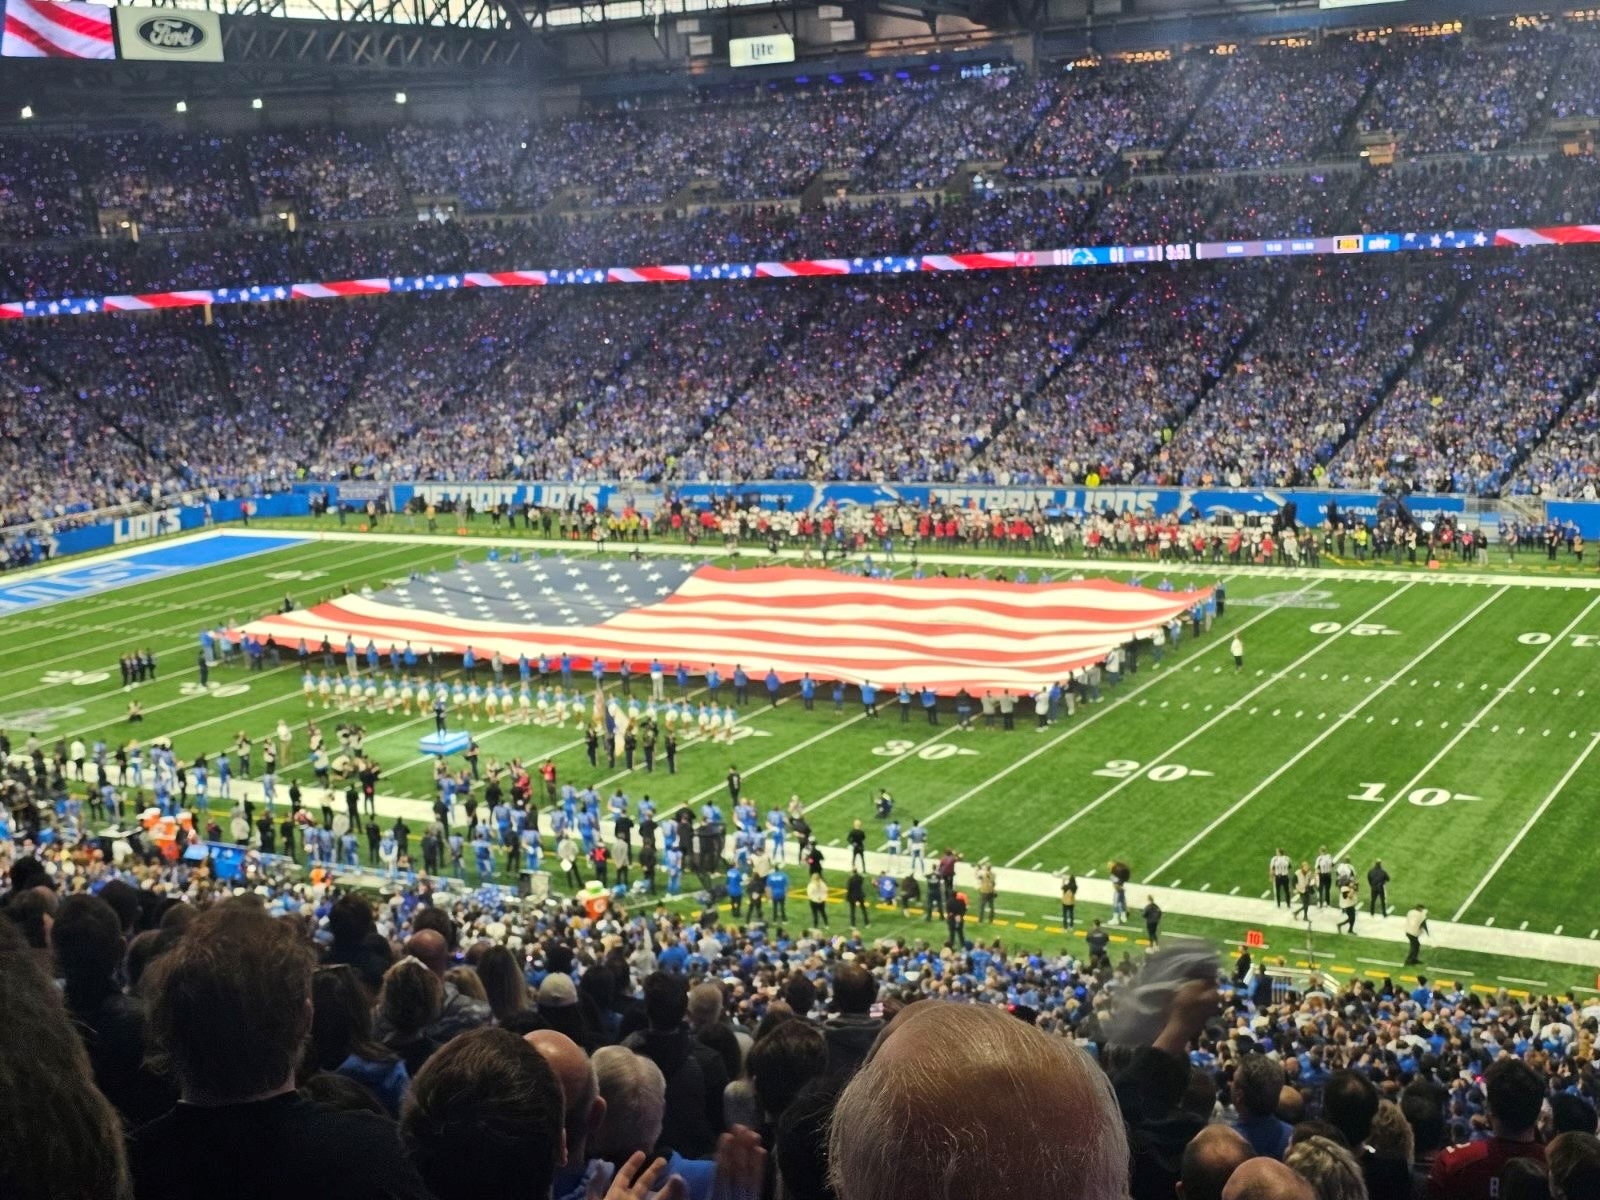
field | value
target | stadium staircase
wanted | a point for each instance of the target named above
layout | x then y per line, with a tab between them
791	334
1576	390
219	364
1437	322
1207	91
1036	386
1345	139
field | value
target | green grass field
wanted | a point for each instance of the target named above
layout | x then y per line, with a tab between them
1444	725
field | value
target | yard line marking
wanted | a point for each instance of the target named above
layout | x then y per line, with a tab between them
878	770
1559	640
1519	979
777	758
1227	711
1069	732
1323	736
1527	825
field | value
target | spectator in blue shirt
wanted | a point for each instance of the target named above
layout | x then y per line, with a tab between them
1257	1083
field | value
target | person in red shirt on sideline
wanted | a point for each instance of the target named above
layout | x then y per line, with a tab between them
1514	1092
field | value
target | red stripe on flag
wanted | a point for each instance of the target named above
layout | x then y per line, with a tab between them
1570	235
815	266
357	287
71	18
16	29
172	299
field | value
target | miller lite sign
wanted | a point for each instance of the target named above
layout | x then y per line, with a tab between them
169	33
760	51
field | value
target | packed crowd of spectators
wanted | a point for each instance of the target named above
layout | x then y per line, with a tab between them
1116	404
1495	90
1276	105
1101	112
326	176
1465	193
1442	374
1000	342
172	181
1567	463
1010	379
474	163
171	1032
1489	386
1310	377
40	195
980	120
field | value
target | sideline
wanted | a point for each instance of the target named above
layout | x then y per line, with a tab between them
1104	566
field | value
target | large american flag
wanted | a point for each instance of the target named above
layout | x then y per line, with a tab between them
948	634
56	29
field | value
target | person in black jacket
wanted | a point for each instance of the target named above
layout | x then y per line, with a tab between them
855	894
694	1072
243	1130
1377	889
852	1028
88	942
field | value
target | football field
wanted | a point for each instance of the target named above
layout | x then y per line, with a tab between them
1443	722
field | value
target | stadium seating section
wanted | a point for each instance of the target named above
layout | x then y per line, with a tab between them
1474	375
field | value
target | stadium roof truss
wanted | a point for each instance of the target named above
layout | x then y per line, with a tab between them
365	43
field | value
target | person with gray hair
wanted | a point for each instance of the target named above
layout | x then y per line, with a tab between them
966	1102
633	1096
1329	1168
633	1093
705	1006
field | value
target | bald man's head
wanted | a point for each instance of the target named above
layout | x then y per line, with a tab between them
580	1090
430	949
1266	1179
1209	1161
966	1102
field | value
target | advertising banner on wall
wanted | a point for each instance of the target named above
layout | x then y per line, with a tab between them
169	34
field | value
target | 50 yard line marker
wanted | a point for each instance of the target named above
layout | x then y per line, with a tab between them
1320	738
1527	825
1559	640
1226	712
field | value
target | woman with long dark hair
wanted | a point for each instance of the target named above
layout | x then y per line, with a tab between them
342	1040
503	983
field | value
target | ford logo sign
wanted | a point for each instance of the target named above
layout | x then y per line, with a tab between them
170	33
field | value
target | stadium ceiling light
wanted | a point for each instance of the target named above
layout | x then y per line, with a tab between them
256	103
399	97
182	106
27	112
